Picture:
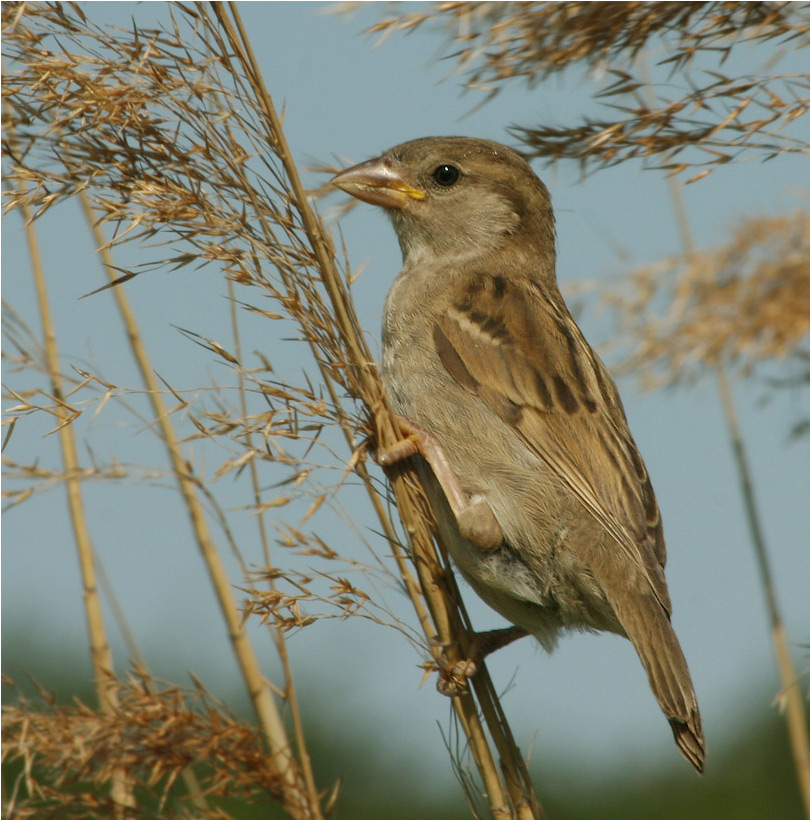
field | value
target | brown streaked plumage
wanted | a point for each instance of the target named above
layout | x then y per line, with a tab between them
537	485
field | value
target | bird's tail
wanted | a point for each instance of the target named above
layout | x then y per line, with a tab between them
647	625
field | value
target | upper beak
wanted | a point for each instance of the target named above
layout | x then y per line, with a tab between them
377	182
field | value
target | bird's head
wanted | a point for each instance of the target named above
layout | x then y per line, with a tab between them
457	197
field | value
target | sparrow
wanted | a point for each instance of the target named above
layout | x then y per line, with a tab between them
537	487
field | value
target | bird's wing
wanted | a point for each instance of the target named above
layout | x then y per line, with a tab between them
520	351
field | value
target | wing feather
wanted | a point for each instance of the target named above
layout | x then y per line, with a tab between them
521	352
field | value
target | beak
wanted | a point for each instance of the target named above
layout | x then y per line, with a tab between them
379	183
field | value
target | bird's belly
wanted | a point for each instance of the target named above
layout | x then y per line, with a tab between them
536	579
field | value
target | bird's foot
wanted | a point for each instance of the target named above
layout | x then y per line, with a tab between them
453	678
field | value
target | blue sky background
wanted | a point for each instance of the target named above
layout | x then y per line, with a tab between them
589	702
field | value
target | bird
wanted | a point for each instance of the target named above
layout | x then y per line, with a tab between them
536	484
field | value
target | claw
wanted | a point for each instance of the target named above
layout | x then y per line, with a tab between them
453	678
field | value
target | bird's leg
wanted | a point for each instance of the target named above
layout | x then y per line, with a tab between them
453	680
474	516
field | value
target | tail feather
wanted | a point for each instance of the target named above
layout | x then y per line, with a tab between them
648	626
690	739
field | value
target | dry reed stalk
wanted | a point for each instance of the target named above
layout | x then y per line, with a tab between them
298	800
510	795
778	319
300	796
149	173
790	693
790	333
103	668
278	635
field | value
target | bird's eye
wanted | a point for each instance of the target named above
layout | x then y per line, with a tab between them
446	175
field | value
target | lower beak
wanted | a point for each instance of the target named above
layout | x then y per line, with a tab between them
378	183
